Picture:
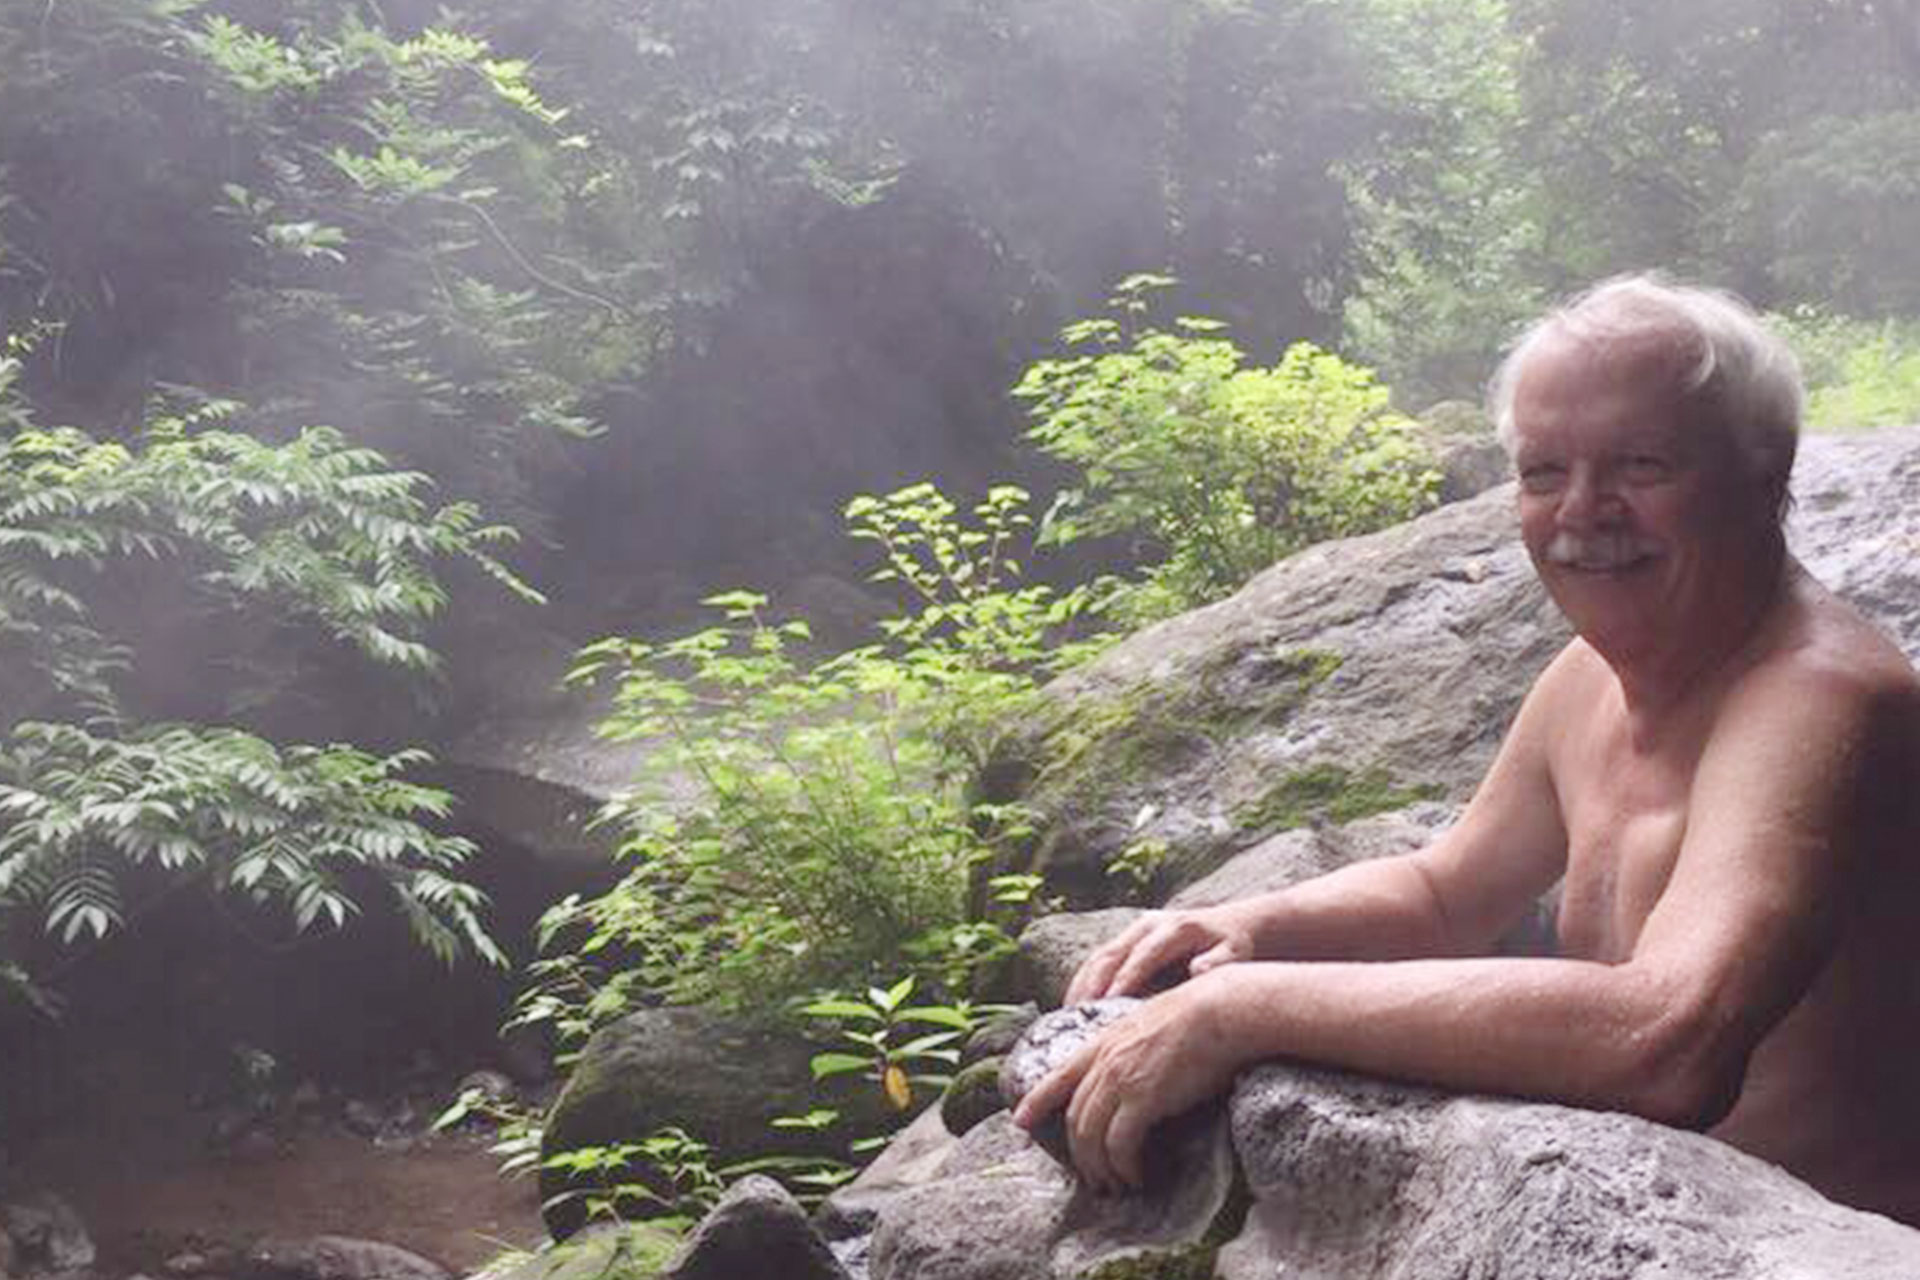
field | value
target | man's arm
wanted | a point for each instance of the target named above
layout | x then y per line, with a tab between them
1749	916
1453	898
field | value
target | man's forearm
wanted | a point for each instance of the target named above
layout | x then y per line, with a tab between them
1564	1030
1380	909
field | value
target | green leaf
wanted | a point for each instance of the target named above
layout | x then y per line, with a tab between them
834	1064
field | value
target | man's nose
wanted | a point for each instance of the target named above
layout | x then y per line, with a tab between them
1589	498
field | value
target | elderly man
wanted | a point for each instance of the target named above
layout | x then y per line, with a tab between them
1722	770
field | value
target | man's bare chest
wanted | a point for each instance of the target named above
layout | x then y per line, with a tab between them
1625	819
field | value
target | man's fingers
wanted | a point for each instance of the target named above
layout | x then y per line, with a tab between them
1126	1139
1167	943
1094	976
1088	1116
1053	1090
1212	958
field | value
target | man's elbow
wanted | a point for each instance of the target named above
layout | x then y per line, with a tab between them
1688	1069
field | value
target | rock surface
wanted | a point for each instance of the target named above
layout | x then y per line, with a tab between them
1049	1044
1360	675
44	1236
720	1079
1052	947
755	1230
338	1258
1354	1179
1005	1210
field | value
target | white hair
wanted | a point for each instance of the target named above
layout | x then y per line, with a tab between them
1741	370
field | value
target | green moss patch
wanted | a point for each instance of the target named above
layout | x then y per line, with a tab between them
1328	793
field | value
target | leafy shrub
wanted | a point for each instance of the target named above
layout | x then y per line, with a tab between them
1859	373
1219	469
804	825
271	825
95	803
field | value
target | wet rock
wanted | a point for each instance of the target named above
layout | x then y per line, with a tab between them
1052	947
756	1230
1050	1043
1005	1210
329	1257
1292	857
363	1118
492	1086
972	1097
1355	1178
46	1235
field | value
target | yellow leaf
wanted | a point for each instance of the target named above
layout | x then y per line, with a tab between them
899	1092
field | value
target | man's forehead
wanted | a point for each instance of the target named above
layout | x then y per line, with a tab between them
1647	362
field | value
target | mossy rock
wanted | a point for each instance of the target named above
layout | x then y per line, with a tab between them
721	1079
972	1097
1328	793
1091	764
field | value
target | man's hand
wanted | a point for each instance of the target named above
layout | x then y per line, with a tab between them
1205	938
1163	1058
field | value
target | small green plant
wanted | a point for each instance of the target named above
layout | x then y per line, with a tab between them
1859	373
100	812
1215	469
805	825
1140	861
677	1184
889	1052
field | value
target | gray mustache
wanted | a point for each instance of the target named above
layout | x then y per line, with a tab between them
1597	549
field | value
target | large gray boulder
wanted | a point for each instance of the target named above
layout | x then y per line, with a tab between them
1052	947
1339	1177
1356	1179
1005	1210
1360	675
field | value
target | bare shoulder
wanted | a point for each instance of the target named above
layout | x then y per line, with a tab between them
1827	659
1829	702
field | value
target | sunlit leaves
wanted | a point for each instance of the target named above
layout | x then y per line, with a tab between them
1216	469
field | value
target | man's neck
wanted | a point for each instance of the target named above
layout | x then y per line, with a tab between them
1656	682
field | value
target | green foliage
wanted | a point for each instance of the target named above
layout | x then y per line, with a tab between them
278	828
313	527
1220	468
1826	206
1447	252
891	1045
100	810
805	824
1859	373
680	1185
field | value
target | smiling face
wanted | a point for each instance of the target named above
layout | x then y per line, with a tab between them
1641	519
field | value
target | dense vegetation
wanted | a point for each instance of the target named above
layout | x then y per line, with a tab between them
310	307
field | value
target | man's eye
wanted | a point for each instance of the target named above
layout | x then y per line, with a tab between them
1647	467
1543	478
